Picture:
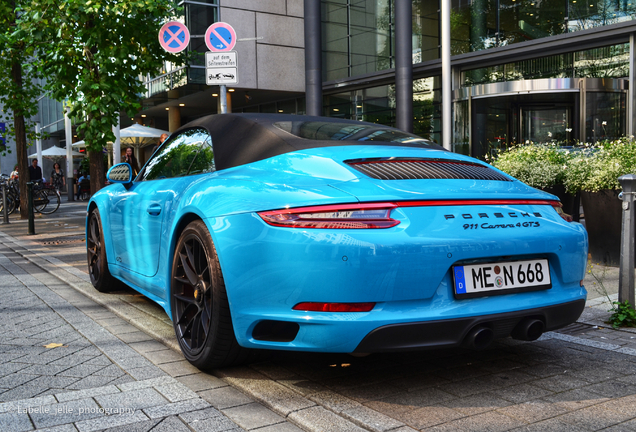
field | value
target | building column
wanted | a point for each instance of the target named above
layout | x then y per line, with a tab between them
38	145
456	84
582	110
404	65
174	118
313	57
446	76
68	132
631	98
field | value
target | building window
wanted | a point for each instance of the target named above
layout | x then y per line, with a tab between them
426	24
198	17
605	62
377	105
584	15
358	37
483	24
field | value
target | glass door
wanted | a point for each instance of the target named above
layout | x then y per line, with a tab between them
542	125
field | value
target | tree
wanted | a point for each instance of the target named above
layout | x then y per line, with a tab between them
18	90
100	50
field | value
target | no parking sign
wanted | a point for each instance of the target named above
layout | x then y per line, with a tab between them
174	36
220	37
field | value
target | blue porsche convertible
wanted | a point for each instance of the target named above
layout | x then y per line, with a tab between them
257	231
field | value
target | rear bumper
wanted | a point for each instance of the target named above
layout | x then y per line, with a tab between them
451	333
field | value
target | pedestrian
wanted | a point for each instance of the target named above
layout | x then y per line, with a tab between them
130	159
86	186
57	177
35	172
14	173
162	138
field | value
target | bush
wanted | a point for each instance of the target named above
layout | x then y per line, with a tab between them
599	166
537	165
586	168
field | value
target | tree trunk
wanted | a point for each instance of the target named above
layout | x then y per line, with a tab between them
97	170
20	144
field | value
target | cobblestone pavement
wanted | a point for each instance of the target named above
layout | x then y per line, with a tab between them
578	379
69	364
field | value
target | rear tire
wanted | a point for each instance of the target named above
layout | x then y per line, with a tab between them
10	205
200	308
53	201
40	201
100	276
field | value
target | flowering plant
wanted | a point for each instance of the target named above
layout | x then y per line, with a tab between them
596	167
589	167
537	165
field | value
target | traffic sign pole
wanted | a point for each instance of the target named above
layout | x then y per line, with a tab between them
223	94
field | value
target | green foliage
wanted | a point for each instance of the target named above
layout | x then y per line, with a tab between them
599	166
18	77
537	165
623	315
588	167
101	49
84	166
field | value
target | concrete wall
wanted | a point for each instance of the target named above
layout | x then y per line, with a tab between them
277	61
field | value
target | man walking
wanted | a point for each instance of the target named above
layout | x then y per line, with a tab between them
35	172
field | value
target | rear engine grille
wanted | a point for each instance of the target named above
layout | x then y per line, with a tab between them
412	169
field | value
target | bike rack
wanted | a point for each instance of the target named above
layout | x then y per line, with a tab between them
5	209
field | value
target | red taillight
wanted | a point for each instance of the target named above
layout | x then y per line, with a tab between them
345	216
559	209
375	215
334	307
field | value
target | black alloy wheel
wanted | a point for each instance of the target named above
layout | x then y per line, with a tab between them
98	271
200	309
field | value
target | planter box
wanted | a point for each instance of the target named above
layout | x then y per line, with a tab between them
603	221
571	203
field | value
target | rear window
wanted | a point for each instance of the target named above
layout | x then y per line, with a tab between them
360	132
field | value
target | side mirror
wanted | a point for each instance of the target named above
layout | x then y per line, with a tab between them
120	173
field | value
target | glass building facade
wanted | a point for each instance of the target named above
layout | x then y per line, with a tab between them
198	16
559	98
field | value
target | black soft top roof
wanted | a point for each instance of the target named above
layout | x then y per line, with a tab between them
240	139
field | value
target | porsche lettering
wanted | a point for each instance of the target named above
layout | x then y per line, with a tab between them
497	215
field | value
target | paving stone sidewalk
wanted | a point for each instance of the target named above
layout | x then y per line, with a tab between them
580	378
62	370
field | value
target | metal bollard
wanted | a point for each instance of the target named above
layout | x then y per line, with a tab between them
30	208
5	216
626	279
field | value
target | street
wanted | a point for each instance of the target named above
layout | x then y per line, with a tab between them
73	359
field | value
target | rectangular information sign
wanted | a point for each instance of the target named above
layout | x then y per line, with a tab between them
221	68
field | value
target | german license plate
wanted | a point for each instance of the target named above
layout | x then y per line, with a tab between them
484	279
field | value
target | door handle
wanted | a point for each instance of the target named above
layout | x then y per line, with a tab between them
154	209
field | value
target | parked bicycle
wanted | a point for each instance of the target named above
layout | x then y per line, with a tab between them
46	199
12	196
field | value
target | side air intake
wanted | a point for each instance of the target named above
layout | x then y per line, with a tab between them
424	169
